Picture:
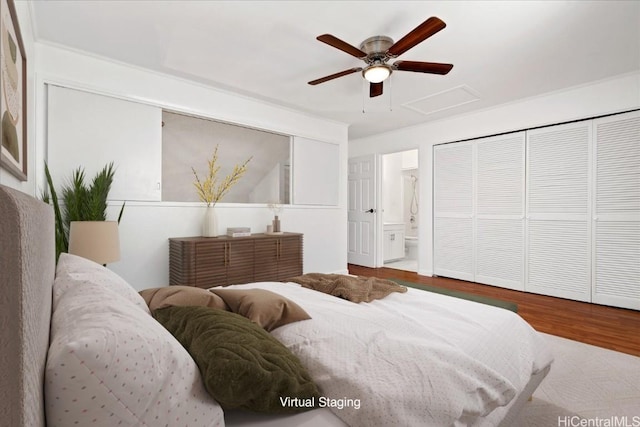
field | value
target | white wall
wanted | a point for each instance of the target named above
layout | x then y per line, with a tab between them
146	226
603	97
392	195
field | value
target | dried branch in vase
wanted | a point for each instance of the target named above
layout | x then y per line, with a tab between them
209	189
276	208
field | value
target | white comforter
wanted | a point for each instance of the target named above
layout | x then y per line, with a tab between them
413	359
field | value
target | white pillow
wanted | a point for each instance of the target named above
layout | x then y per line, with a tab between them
110	363
83	270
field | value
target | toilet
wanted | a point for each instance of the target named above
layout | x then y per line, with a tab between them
411	247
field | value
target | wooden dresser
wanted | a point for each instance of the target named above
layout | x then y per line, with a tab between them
219	261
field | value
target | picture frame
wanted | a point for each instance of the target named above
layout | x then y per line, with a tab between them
13	93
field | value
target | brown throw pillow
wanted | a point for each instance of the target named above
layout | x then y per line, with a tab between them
181	296
268	309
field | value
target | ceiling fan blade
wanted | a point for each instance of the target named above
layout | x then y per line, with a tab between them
334	76
423	67
343	46
375	89
419	34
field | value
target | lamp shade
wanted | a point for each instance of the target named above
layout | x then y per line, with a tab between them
98	241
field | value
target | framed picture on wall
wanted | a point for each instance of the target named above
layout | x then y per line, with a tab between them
13	91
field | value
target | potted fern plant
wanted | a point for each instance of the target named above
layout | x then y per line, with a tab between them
78	201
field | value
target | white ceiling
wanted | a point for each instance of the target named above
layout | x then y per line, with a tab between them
501	50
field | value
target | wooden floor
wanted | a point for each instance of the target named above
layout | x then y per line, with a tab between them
613	328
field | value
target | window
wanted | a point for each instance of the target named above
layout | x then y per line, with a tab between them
189	141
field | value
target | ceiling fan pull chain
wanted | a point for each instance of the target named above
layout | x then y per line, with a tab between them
390	93
364	88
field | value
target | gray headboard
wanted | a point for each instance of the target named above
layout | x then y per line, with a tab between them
27	269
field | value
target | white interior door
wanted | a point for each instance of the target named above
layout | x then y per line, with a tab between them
558	206
453	232
616	221
499	246
362	214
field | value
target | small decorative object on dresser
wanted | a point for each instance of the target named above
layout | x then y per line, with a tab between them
211	191
238	231
277	209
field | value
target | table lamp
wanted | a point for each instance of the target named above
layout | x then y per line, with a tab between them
98	241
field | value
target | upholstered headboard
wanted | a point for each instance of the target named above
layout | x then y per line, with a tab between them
27	269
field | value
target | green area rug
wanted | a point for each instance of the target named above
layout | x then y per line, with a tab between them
471	297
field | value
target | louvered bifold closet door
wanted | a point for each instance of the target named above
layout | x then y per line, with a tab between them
499	211
616	222
453	211
558	211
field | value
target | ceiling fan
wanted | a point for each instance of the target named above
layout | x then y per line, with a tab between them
376	51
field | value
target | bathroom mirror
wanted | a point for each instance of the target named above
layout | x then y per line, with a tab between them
189	141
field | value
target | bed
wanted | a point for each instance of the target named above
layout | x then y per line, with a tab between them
413	358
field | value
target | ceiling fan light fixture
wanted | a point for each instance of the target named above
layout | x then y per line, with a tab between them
376	73
376	52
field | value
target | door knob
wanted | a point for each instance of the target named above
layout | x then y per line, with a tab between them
370	210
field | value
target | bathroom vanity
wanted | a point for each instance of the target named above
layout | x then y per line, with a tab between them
393	241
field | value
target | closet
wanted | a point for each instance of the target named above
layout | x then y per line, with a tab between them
553	210
479	210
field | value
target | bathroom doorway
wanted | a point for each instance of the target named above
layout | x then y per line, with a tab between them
400	207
